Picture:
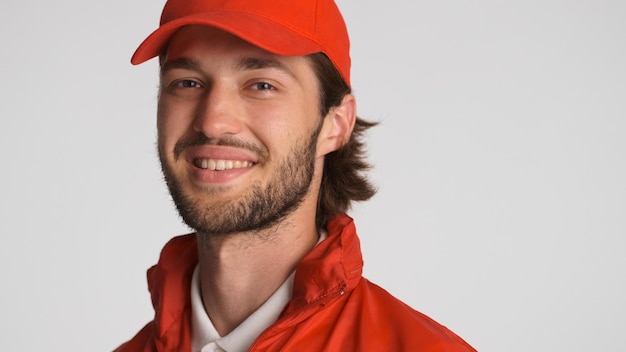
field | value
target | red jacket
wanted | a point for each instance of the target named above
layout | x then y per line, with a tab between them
333	307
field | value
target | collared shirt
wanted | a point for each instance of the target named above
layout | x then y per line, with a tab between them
204	336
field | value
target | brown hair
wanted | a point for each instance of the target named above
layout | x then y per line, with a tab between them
342	180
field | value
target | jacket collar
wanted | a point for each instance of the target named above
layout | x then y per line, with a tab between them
332	268
169	283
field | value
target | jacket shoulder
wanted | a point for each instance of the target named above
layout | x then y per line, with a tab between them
401	326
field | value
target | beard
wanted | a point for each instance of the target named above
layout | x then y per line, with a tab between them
260	207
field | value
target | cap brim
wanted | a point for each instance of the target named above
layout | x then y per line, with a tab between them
258	31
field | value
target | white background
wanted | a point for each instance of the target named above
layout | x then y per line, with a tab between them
501	164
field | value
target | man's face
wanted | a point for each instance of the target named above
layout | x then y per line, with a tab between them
237	131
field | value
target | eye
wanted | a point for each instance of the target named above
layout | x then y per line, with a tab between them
262	86
188	83
183	87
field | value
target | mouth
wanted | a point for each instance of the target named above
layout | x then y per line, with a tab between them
221	164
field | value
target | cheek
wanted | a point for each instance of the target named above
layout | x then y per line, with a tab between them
294	118
162	113
169	130
268	122
173	119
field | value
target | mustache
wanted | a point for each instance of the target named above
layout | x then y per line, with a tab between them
227	141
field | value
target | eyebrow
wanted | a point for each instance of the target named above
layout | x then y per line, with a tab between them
244	64
256	63
182	63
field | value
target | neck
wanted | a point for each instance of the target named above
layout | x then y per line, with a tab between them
239	272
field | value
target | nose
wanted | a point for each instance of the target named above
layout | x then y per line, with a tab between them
219	112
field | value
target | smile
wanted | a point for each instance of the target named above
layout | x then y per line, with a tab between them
219	165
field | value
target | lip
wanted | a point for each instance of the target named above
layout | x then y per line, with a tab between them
207	176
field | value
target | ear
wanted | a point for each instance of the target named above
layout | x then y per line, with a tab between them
337	127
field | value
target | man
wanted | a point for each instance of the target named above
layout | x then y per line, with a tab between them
261	150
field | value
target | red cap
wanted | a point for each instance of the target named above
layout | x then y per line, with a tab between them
283	27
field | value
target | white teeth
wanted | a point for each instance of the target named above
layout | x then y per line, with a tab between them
220	165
